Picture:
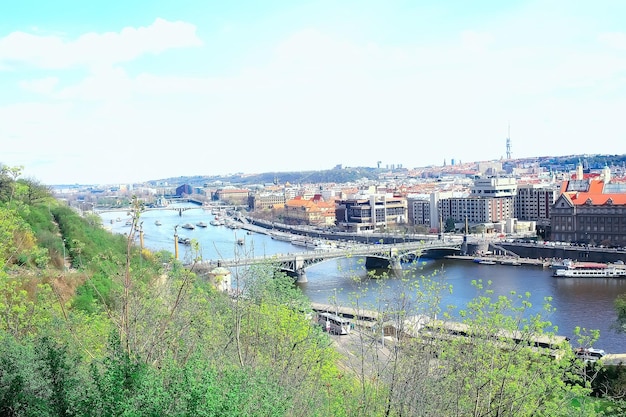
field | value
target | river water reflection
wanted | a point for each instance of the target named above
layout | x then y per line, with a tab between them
586	303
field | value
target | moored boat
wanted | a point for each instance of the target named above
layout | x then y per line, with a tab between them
201	224
188	226
598	272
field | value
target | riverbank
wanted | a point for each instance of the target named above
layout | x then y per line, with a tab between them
502	260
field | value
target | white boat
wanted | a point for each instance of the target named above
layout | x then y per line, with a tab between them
201	224
158	223
487	262
188	226
607	272
184	240
285	237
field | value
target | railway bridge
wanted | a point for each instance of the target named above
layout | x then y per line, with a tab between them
377	256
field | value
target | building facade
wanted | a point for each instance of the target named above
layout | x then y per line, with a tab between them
491	200
236	196
311	212
590	211
534	201
419	211
266	200
376	212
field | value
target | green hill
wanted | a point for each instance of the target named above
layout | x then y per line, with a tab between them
91	325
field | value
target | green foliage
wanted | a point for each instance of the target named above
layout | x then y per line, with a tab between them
23	314
620	308
84	241
16	237
177	347
450	225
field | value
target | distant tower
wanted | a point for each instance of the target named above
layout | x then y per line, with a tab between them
508	143
606	174
579	171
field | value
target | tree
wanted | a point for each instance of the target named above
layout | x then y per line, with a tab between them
450	225
620	308
482	359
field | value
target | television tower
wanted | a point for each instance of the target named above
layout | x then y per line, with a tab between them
508	143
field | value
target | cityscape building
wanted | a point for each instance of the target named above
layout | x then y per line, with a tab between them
591	209
375	212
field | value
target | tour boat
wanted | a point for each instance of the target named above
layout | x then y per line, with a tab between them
600	271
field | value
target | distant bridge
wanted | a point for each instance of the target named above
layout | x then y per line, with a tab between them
383	255
180	210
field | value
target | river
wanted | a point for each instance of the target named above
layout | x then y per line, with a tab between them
587	303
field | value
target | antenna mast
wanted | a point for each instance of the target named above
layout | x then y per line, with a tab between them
508	143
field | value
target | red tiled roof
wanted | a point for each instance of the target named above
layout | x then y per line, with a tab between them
593	194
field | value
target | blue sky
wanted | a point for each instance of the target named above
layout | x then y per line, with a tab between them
109	92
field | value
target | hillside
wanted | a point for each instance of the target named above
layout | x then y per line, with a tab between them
90	325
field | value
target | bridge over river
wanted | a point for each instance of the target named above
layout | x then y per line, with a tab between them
377	256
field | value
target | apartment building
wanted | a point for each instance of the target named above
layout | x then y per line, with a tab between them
491	200
534	201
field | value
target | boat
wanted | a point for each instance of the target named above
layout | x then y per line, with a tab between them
188	226
158	223
601	272
285	237
184	240
201	224
483	261
241	241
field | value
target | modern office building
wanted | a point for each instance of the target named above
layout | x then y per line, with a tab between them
376	212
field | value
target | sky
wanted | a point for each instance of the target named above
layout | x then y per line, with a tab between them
105	92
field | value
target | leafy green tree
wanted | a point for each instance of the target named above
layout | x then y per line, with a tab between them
620	308
450	225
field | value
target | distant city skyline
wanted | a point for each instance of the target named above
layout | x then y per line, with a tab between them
108	92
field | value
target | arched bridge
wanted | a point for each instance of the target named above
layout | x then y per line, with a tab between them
385	255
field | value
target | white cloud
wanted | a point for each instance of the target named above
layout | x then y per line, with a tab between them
41	85
341	100
616	40
95	49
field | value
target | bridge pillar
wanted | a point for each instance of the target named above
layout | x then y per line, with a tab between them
301	276
298	267
394	263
